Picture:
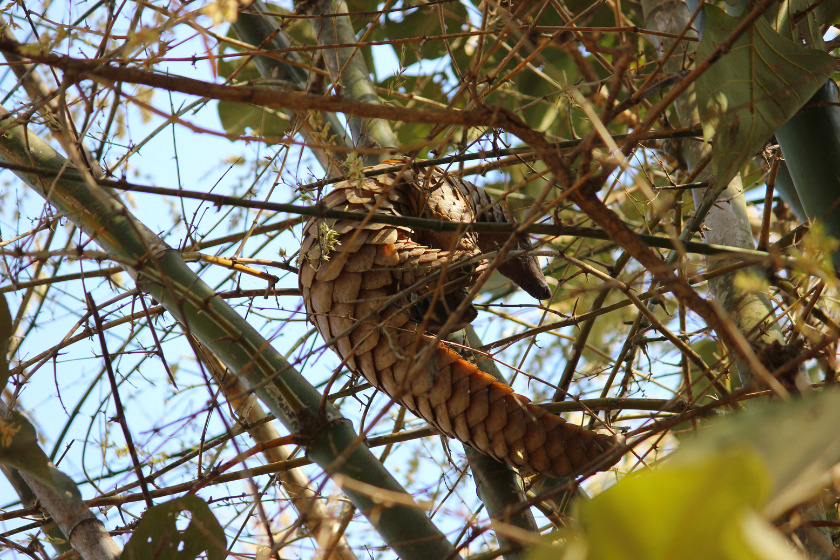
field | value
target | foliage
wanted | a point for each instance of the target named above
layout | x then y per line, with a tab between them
157	535
712	498
740	115
19	448
179	161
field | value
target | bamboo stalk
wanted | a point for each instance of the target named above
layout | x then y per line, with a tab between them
330	440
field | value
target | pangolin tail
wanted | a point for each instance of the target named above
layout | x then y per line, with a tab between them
469	404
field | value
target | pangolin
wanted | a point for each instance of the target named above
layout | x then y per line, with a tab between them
377	293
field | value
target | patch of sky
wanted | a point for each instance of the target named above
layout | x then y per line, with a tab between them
192	152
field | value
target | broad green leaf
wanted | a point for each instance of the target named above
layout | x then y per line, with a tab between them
714	496
19	448
425	86
787	190
797	19
362	12
157	535
422	22
760	538
677	511
810	143
796	440
753	89
5	337
238	120
701	386
828	12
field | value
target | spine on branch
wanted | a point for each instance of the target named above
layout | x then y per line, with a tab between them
377	293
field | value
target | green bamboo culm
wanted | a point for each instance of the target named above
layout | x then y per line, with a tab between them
329	439
810	143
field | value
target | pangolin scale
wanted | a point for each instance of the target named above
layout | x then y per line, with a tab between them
377	292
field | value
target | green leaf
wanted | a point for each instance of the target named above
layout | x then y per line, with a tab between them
426	20
794	439
828	12
797	19
5	338
810	142
713	497
238	120
804	18
429	86
702	390
19	448
752	90
658	514
425	86
157	535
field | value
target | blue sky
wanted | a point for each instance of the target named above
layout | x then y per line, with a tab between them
192	155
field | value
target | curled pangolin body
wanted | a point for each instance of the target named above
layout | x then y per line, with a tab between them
374	291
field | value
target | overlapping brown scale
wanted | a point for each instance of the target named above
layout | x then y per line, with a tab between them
355	296
468	404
